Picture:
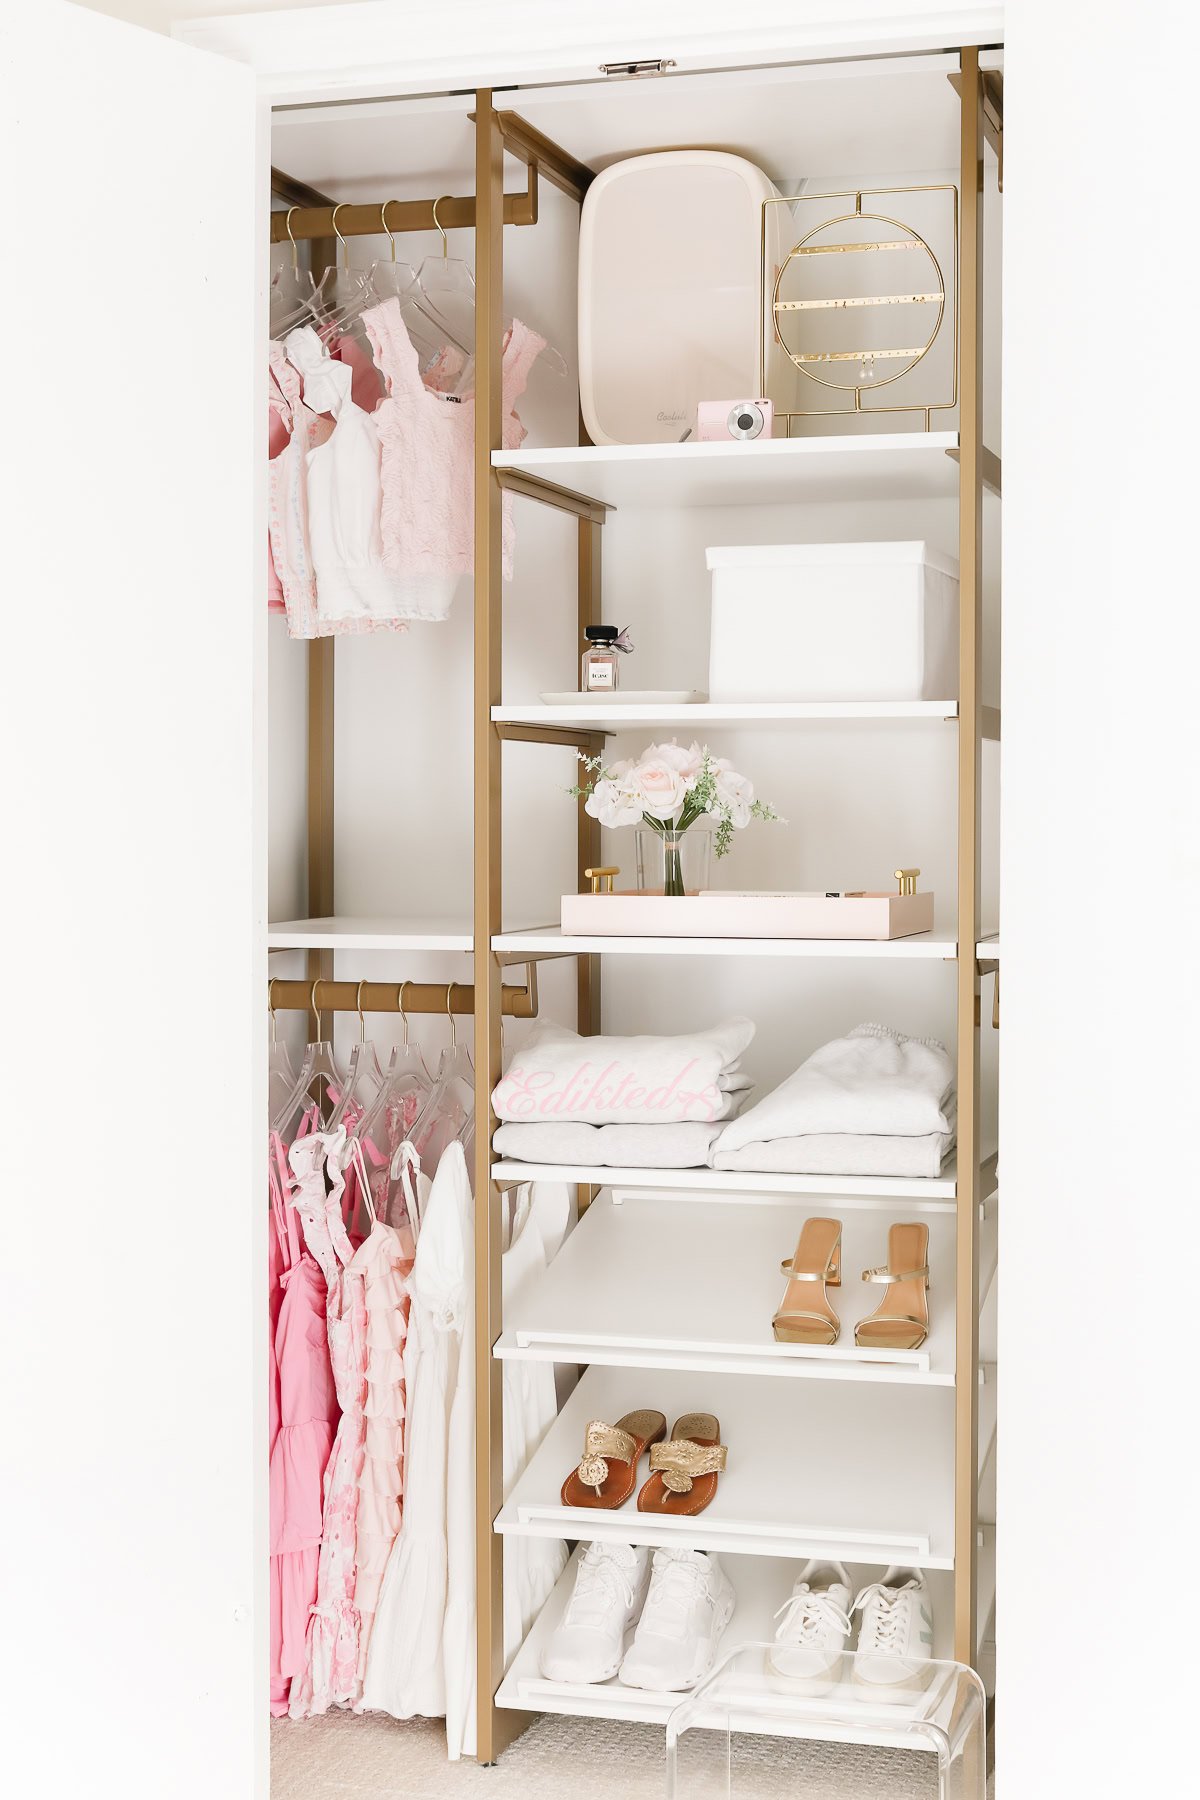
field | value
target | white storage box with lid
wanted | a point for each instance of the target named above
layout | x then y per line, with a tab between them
670	292
833	622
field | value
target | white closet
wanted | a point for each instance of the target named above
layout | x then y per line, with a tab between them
831	1453
860	787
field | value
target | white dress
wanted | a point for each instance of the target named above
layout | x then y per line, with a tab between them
541	1217
405	1671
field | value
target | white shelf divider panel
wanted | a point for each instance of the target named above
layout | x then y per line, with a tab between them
650	1283
861	1472
624	716
370	934
762	1584
905	465
933	1193
933	946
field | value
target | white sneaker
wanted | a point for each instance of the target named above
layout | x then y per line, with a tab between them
690	1603
592	1635
895	1639
814	1629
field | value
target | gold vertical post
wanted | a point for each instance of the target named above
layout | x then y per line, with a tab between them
320	802
319	964
970	531
587	968
489	317
590	538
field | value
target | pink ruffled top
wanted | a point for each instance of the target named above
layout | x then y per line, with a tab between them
427	521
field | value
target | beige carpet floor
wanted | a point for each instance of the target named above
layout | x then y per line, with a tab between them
341	1757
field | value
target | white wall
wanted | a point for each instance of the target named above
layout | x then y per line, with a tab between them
1100	1245
133	1448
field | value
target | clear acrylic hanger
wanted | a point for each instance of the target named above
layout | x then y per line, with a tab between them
318	1066
447	287
396	279
281	1076
292	288
406	1088
337	299
450	1109
364	1077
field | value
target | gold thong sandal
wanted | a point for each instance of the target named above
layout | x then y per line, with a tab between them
901	1320
607	1470
685	1470
805	1316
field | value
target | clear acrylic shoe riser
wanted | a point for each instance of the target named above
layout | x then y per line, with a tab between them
941	1712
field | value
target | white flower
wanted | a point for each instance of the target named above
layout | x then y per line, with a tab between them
612	802
660	787
687	763
735	792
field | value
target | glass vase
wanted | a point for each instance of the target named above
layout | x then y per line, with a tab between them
673	862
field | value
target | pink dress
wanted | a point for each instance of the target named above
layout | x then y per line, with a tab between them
308	1416
331	1666
427	522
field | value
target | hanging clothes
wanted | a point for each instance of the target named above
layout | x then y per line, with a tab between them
307	1411
331	1664
287	502
344	499
406	1667
428	452
278	431
383	1263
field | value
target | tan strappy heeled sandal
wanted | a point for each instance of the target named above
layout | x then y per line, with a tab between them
806	1317
901	1320
685	1469
607	1471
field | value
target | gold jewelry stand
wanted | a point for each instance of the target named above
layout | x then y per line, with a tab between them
786	294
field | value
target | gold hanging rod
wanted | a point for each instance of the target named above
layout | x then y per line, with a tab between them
402	215
442	997
847	249
782	306
540	154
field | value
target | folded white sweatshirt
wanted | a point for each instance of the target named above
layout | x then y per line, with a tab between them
683	1146
557	1076
843	1153
871	1083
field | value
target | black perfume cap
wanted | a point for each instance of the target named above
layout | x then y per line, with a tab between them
601	634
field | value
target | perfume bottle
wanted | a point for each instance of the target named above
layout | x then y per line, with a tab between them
600	659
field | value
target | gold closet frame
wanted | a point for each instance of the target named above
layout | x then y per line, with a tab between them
490	210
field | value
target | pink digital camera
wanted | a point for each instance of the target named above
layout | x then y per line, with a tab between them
740	419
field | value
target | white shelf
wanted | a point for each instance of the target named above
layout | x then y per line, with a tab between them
988	948
370	934
933	1193
815	1469
604	716
931	945
649	1283
886	466
762	1584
